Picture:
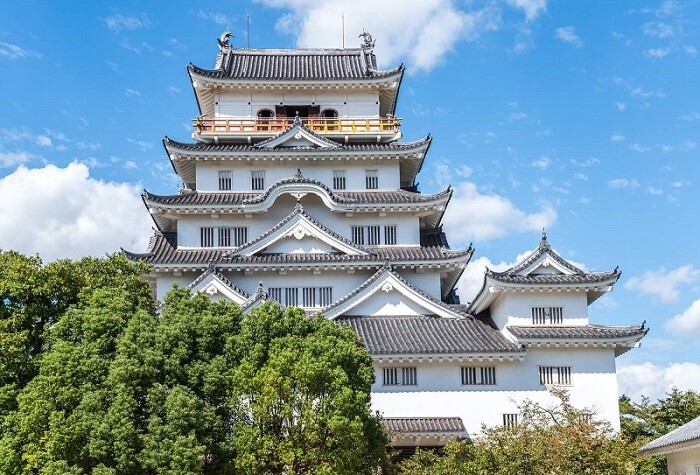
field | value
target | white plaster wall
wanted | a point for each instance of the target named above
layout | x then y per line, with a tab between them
341	281
684	462
389	173
358	104
516	308
439	391
407	225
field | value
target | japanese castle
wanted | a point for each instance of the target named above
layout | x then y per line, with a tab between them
297	188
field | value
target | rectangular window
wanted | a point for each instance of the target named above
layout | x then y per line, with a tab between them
239	235
225	180
372	179
405	376
390	234
358	234
479	375
225	237
206	236
338	179
560	375
547	315
275	293
510	420
317	296
257	179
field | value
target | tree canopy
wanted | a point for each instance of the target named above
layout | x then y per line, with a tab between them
102	383
559	440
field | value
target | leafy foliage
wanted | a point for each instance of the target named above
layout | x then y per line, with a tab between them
97	382
549	440
646	421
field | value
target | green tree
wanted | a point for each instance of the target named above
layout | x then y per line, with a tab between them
645	421
559	440
301	397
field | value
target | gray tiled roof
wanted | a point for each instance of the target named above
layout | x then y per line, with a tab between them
583	332
685	433
221	277
224	199
423	425
161	251
297	64
415	335
577	276
230	147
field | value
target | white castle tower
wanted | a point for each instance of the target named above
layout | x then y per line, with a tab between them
297	189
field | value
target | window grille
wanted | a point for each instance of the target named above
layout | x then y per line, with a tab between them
224	237
287	296
206	236
258	179
373	235
547	315
510	420
405	376
338	179
226	180
479	375
390	234
372	179
358	234
560	375
240	236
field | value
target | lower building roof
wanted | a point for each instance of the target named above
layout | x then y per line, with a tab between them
580	332
427	335
424	425
686	436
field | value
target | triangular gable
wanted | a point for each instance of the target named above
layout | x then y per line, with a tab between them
544	260
299	226
257	299
386	292
218	287
298	136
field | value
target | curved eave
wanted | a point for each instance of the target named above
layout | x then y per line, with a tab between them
492	288
430	209
518	355
673	448
620	345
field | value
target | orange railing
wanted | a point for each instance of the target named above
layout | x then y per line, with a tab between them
354	125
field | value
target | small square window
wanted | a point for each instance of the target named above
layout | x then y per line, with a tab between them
372	179
257	180
338	179
225	180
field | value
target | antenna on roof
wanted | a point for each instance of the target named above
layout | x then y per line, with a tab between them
342	21
247	24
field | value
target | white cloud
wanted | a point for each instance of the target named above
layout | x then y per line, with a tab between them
658	29
420	31
588	163
119	22
581	176
11	159
475	216
88	145
218	18
657	52
542	163
567	34
621	106
617	138
686	322
655	191
623	183
532	8
652	381
63	212
132	92
12	51
662	284
173	90
691	50
473	277
513	116
690	116
140	143
130	165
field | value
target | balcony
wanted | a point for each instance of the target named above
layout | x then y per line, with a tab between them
244	129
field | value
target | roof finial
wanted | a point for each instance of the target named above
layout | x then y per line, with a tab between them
298	174
544	242
223	40
261	289
369	41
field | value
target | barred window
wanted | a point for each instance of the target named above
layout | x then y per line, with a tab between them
372	235
224	237
371	179
206	236
257	179
555	375
479	375
390	234
225	180
287	296
510	420
239	236
405	376
317	296
338	179
547	315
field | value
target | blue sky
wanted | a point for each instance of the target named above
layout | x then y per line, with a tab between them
575	116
